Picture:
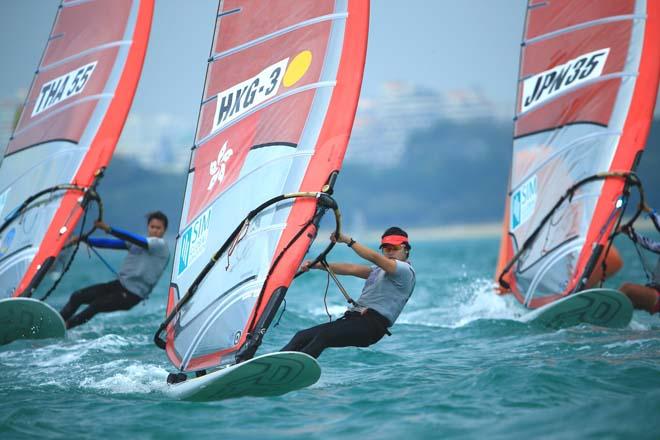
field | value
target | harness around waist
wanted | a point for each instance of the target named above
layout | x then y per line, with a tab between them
371	313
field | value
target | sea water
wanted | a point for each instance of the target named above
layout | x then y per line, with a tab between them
458	365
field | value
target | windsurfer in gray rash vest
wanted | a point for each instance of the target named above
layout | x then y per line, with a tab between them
389	284
139	273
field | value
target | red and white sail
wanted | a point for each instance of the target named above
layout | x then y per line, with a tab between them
73	115
281	91
587	87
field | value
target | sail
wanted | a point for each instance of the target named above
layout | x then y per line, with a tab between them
587	87
67	131
281	91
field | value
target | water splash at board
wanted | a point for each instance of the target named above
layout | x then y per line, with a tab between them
128	378
469	302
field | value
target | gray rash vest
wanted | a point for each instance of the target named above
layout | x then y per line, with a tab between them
142	268
388	293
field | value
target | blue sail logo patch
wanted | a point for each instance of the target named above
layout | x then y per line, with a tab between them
523	202
193	241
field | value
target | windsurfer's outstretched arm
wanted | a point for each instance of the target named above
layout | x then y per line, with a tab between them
114	243
106	243
380	260
356	270
137	240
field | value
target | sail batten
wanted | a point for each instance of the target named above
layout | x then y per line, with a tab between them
62	109
577	88
583	26
276	99
83	54
278	33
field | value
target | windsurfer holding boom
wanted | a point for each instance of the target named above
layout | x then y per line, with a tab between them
142	267
389	284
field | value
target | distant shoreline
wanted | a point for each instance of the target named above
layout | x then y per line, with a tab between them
432	233
452	232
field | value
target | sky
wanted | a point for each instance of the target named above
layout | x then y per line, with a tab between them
441	44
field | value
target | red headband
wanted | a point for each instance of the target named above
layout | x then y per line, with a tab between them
394	239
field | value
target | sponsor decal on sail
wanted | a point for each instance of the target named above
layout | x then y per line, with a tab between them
241	98
523	202
545	85
63	87
193	240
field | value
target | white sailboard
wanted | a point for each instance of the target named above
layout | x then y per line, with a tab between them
600	307
267	375
28	318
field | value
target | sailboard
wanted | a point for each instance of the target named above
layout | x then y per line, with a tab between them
271	374
587	87
281	90
601	307
67	131
28	318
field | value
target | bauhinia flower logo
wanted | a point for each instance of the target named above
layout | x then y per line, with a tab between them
217	169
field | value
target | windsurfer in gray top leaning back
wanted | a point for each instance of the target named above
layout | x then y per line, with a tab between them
389	284
139	273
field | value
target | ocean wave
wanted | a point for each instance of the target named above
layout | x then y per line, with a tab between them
128	378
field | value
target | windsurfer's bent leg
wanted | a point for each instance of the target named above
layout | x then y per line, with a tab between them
84	296
112	298
354	331
304	337
300	339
